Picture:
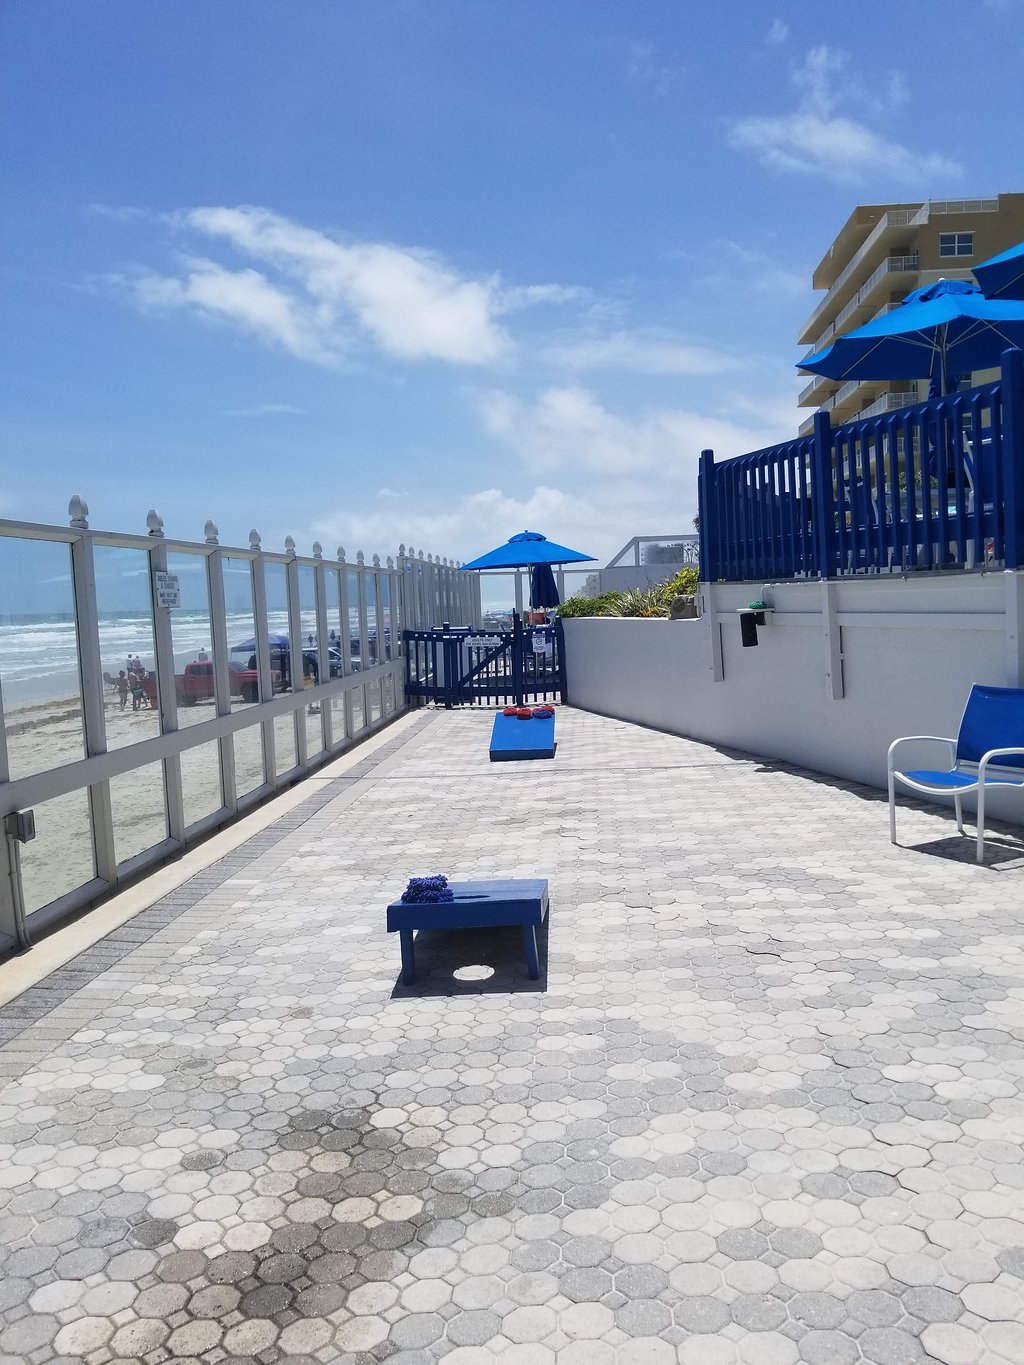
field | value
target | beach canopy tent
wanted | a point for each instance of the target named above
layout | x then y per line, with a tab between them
274	641
524	551
946	327
1002	276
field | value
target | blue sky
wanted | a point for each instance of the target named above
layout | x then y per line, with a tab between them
431	270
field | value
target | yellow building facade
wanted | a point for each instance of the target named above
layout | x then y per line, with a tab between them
881	253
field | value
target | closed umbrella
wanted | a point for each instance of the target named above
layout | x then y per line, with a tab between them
543	589
946	326
1002	276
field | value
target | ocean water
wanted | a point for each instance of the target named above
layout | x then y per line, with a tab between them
39	654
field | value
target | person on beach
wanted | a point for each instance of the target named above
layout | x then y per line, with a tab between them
122	689
138	692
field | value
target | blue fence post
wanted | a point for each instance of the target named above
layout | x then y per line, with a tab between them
708	530
823	498
1012	457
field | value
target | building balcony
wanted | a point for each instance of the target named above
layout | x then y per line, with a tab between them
896	221
889	402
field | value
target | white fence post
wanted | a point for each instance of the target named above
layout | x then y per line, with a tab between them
346	638
11	910
364	637
323	643
94	724
167	703
263	662
221	654
297	664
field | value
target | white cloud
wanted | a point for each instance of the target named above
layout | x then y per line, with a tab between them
407	301
778	33
594	520
651	352
579	473
645	68
246	299
511	299
322	298
819	140
568	427
265	410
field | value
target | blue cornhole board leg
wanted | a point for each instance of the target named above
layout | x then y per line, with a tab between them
512	738
530	944
408	957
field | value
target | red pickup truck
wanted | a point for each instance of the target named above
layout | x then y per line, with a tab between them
196	683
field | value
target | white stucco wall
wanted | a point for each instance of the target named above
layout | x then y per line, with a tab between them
907	653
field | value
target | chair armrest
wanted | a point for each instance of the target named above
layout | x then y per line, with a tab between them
909	739
995	754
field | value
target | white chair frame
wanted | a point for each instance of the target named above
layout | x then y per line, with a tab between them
1001	778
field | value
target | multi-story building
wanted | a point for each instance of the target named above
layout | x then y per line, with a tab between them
882	252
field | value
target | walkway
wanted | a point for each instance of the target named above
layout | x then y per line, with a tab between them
764	1107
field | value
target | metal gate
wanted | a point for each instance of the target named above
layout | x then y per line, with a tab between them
461	666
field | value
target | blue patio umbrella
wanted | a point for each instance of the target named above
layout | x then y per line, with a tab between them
1002	276
524	551
946	326
543	589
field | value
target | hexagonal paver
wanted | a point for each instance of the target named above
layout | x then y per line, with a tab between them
764	1111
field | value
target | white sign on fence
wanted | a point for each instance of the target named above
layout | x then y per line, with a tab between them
168	589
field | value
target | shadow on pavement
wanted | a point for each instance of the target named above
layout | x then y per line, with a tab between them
474	962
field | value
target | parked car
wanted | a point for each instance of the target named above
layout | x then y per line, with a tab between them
195	682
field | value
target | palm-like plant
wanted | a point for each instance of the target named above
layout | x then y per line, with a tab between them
645	602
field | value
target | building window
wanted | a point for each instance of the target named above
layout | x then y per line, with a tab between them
956	243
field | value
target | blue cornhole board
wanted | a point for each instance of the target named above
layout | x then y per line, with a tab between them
477	905
515	738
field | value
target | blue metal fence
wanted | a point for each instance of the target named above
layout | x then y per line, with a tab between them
933	485
461	666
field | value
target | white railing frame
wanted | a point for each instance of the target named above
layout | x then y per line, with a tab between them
412	582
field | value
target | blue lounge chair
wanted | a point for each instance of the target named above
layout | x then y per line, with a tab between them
987	752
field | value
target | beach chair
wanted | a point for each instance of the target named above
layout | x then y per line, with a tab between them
987	752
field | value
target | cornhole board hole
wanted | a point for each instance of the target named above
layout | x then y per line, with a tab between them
514	738
477	905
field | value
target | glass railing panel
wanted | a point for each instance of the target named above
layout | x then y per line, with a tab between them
352	589
192	640
200	781
124	608
314	728
60	857
248	749
339	725
39	674
240	619
284	743
386	624
332	593
139	810
358	710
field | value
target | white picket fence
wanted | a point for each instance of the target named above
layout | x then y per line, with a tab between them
113	790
